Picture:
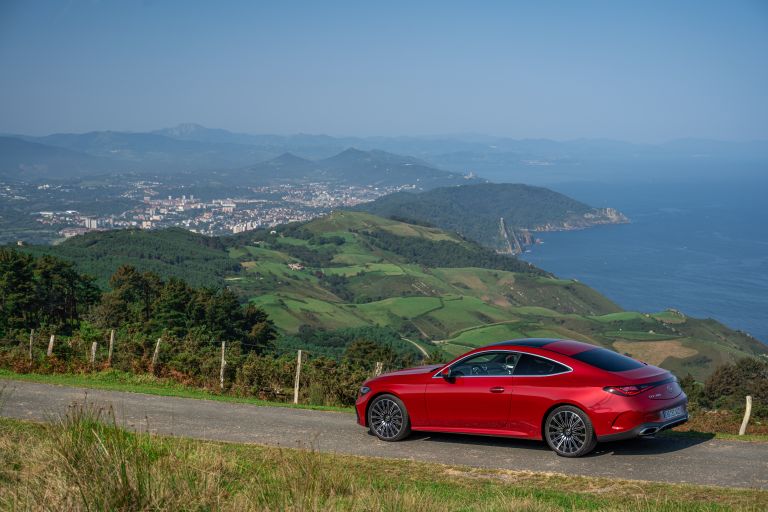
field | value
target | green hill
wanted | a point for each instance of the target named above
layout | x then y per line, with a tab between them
361	282
429	285
175	252
475	211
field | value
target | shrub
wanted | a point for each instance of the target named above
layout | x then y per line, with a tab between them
730	383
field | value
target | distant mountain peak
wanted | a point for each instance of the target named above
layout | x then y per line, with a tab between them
354	151
289	158
200	133
183	129
351	153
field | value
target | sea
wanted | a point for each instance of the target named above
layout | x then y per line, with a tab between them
699	248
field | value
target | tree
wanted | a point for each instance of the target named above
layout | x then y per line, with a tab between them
731	382
136	290
171	310
42	291
260	329
367	353
17	296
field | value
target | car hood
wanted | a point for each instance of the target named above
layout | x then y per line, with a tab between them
418	370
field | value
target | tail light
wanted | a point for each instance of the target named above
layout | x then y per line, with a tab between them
628	390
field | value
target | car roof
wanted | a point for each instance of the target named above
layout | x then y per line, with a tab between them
564	347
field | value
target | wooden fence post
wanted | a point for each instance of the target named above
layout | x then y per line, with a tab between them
111	346
296	383
743	429
223	364
154	356
94	346
31	339
379	369
50	345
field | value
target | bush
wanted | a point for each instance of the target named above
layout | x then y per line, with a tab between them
730	383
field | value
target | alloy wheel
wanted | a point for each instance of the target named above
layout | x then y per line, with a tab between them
566	432
387	419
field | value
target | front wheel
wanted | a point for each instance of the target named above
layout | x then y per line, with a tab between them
569	432
388	418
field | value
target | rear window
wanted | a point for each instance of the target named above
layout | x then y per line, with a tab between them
538	366
607	360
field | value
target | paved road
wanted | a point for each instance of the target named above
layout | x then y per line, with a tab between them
699	461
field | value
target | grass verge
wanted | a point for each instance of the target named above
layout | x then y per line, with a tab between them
114	380
761	438
85	461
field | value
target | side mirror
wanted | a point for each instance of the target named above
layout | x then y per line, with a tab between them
446	373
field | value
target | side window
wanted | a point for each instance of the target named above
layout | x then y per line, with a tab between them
486	364
538	366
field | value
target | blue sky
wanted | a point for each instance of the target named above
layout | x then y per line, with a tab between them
638	71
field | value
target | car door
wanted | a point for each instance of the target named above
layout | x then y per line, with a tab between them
476	396
538	382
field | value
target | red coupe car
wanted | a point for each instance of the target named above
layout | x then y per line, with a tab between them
570	394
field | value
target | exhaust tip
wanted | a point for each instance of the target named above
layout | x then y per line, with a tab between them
649	431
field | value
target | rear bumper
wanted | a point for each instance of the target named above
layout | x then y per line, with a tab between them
645	429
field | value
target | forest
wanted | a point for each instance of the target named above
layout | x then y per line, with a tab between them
475	210
48	293
197	259
44	296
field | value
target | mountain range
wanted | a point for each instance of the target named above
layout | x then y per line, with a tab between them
63	156
191	147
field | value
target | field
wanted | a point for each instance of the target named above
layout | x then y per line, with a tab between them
85	461
655	352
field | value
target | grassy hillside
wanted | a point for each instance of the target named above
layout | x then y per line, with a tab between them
360	283
426	284
475	210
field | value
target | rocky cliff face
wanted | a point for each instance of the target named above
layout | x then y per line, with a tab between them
607	216
594	217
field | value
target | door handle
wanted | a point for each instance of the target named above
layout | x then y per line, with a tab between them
496	389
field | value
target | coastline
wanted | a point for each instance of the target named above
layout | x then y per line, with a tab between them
681	265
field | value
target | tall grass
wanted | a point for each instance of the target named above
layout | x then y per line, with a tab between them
110	468
85	461
94	464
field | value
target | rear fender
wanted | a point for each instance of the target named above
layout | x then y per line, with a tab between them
555	406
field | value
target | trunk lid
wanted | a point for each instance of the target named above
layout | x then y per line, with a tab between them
656	383
664	391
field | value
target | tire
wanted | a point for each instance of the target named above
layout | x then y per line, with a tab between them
568	431
388	418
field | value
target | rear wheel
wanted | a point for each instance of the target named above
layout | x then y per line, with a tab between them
388	418
569	432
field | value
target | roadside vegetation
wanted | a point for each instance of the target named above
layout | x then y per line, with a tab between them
86	461
718	404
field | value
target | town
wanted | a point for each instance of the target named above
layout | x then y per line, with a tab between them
153	205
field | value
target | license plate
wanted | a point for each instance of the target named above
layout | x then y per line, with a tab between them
673	413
